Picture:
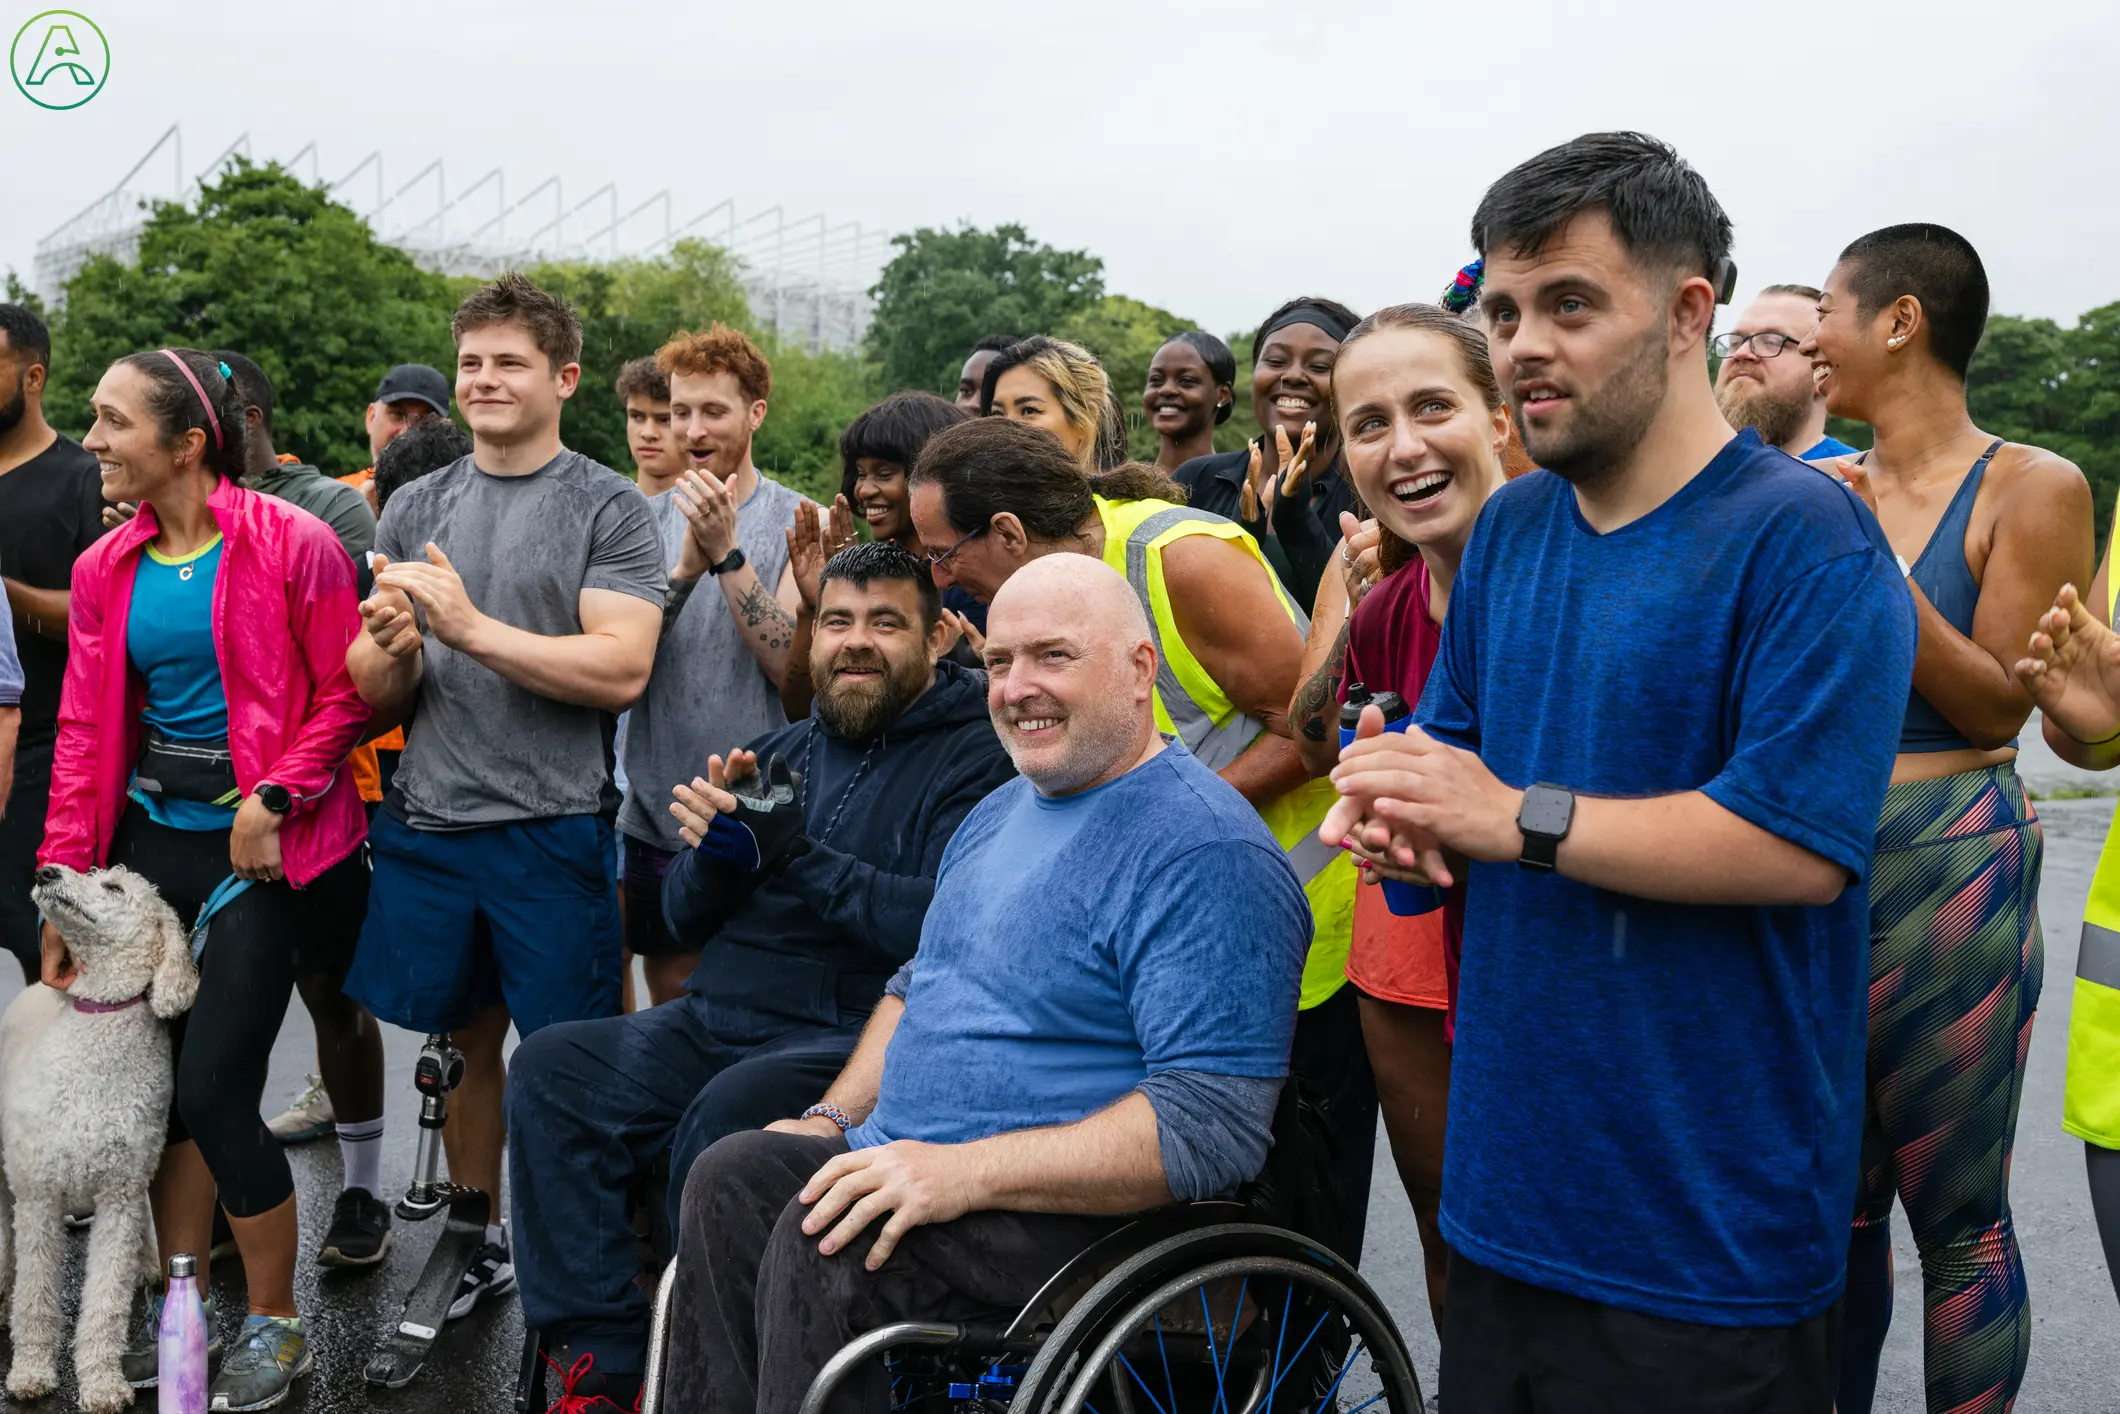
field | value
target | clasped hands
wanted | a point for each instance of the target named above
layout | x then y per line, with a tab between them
1408	802
436	588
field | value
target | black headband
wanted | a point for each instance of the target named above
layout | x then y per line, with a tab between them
1313	314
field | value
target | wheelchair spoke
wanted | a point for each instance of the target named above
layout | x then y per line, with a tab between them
1293	1360
1365	1403
1352	1356
1288	1299
1169	1386
1229	1353
1144	1386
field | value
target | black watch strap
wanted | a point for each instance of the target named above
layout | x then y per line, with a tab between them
1544	818
731	565
275	797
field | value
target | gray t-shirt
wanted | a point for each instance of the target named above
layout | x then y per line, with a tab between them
707	693
480	750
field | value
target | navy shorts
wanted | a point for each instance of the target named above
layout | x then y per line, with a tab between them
458	920
646	932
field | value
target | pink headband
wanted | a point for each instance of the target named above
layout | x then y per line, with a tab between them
193	379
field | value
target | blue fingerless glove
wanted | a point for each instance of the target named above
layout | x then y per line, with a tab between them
766	828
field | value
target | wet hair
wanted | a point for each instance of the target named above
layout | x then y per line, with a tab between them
1221	363
862	565
1332	309
253	388
993	464
1939	268
718	349
414	453
993	343
1474	359
894	430
175	406
1660	208
640	378
1079	387
512	299
1800	291
28	339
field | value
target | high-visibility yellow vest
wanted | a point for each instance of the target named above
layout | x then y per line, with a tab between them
1191	706
2090	1108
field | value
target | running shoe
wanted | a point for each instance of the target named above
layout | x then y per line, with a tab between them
491	1274
270	1355
308	1119
141	1363
360	1231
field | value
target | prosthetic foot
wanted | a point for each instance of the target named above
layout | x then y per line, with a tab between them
404	1349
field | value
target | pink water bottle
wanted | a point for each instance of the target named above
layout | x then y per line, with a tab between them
180	1344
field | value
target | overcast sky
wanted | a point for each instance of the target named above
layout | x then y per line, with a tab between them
1219	157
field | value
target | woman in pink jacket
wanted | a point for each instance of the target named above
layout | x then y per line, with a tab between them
203	734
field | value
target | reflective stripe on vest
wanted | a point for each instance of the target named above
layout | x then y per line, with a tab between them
2098	956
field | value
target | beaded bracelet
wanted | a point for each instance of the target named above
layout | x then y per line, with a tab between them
833	1113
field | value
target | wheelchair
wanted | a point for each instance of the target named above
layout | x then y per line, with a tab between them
1199	1308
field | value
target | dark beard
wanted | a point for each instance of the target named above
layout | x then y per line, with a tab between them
858	713
14	409
1778	419
1606	428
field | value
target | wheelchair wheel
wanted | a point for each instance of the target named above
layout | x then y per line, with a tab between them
1238	1319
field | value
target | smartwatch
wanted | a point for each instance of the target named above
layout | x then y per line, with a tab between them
731	565
1544	818
275	797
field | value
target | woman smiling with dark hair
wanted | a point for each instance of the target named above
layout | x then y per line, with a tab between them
1288	488
1191	391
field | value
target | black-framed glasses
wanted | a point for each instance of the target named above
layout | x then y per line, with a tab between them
938	558
1767	343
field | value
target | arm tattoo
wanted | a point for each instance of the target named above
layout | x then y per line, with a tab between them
1317	696
775	626
675	597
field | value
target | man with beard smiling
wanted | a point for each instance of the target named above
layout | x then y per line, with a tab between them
1765	381
1663	784
802	909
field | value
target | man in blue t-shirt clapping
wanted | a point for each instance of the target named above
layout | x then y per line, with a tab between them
1656	741
1097	1022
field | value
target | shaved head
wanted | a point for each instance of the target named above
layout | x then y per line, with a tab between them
1071	674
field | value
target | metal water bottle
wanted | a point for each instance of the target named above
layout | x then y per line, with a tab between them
1403	899
180	1344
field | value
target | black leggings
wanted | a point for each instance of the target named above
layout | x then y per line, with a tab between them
246	978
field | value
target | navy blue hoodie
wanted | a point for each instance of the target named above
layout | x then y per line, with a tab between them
813	944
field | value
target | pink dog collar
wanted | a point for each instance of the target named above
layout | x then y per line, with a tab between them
96	1008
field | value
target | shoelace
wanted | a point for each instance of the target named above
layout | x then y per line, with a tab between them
569	1402
268	1342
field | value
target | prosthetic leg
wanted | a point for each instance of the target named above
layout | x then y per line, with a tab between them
404	1349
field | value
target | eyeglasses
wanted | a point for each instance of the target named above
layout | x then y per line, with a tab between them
938	558
1765	344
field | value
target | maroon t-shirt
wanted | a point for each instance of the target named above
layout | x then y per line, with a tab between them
1391	645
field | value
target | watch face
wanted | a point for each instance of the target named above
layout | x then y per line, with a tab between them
275	798
1547	811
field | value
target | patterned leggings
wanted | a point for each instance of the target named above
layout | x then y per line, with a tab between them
1955	963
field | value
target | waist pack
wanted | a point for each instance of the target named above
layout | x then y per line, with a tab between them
187	770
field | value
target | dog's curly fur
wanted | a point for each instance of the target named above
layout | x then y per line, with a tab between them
84	1114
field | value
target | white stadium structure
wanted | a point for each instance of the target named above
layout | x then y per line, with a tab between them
807	278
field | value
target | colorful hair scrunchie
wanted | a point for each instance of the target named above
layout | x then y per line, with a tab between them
1464	291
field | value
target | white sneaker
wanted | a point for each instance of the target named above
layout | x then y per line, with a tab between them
309	1118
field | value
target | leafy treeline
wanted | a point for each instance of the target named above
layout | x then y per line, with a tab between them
264	264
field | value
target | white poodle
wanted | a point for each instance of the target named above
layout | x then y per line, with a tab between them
85	1086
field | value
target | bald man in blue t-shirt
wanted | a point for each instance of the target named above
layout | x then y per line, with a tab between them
1097	1022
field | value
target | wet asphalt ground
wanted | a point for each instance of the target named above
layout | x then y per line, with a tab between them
2075	1360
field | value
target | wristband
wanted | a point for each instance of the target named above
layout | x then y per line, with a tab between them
833	1113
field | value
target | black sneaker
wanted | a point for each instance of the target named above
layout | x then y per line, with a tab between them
360	1231
490	1274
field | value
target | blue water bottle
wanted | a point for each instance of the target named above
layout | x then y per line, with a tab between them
1405	900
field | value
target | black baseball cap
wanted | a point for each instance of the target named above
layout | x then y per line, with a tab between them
418	382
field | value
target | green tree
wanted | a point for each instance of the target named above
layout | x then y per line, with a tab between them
277	270
945	290
815	395
1242	426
